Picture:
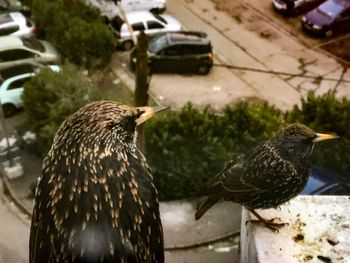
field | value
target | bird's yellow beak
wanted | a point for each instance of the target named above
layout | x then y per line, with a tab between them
324	136
148	112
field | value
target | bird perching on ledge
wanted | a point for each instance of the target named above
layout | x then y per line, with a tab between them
269	175
96	201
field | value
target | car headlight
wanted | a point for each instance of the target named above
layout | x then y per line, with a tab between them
317	27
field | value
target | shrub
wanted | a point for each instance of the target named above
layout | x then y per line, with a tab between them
52	96
77	31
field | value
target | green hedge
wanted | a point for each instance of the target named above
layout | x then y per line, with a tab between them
76	29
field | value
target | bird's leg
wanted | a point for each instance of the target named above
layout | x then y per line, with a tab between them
268	223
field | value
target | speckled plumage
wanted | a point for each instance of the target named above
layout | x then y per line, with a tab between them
95	200
268	175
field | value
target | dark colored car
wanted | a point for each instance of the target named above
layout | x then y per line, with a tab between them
326	182
295	7
333	16
181	52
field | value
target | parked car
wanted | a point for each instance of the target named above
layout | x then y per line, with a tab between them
16	24
178	52
142	20
328	18
15	50
295	7
326	182
110	10
12	83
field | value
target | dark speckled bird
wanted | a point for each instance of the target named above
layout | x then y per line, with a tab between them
96	201
269	175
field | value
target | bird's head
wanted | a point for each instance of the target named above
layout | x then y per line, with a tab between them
299	139
107	120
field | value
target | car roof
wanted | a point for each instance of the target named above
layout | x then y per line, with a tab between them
188	38
137	16
17	16
7	42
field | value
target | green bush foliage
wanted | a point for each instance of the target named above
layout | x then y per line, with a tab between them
76	29
52	96
188	147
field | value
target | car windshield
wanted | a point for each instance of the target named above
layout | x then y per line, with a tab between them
331	8
157	43
33	44
160	18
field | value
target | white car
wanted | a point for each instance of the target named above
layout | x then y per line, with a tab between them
110	10
12	82
16	24
15	51
142	20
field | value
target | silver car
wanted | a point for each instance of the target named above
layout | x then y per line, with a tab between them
142	20
15	51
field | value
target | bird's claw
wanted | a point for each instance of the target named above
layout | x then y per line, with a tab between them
269	224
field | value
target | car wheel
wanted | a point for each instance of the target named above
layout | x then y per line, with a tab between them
128	44
297	11
9	109
203	69
328	33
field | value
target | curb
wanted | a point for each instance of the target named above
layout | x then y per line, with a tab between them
12	197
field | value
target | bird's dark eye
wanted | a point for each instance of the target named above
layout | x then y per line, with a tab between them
129	123
139	113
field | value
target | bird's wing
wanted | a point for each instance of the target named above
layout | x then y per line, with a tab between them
259	171
232	180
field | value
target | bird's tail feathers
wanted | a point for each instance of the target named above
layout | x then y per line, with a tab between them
206	205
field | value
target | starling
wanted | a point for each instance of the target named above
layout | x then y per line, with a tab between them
95	200
269	175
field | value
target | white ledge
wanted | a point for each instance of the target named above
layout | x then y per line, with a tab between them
318	231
